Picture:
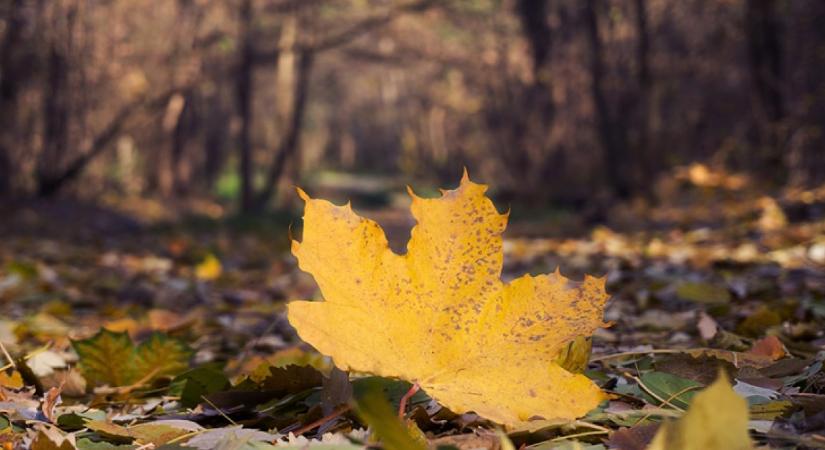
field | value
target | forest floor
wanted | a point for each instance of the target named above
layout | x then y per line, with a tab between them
199	354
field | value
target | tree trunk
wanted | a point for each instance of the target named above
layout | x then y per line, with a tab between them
56	110
52	184
181	135
805	157
9	90
243	92
291	140
762	32
613	137
765	56
649	159
533	16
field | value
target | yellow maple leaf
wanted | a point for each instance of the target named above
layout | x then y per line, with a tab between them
440	314
717	419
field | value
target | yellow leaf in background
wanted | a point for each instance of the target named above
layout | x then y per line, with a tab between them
13	380
717	419
440	314
209	269
772	218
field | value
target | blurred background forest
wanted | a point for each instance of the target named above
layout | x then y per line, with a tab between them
571	103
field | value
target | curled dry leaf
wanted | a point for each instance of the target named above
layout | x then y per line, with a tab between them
440	314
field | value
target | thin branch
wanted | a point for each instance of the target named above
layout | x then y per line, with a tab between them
223	414
7	355
337	412
51	185
365	26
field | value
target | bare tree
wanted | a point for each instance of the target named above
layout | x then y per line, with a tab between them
10	78
611	130
244	89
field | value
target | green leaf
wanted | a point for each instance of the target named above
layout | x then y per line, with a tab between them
675	390
393	389
162	356
111	358
199	382
374	409
110	431
107	358
77	420
703	293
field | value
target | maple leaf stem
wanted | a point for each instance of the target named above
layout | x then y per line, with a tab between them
402	405
335	413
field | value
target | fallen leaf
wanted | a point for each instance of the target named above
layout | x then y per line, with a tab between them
111	358
50	401
666	389
106	358
209	269
738	359
634	438
772	218
757	322
703	293
748	391
377	413
160	432
234	437
111	431
769	346
126	324
770	410
440	314
71	381
487	441
161	356
200	382
43	363
11	380
89	444
716	420
163	320
51	438
707	326
703	369
337	390
291	379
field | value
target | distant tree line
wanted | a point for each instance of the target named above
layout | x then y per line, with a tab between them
558	100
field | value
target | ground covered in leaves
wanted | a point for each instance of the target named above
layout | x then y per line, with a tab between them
122	334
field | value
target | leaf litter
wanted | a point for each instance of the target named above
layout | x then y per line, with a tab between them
197	351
